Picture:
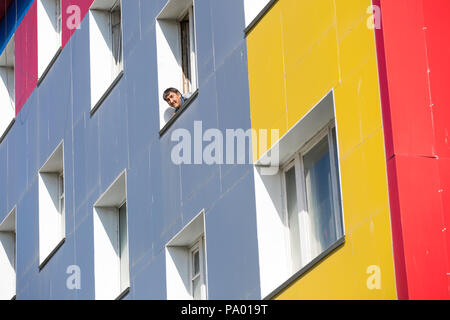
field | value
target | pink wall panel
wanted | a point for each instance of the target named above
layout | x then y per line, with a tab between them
26	63
26	45
72	12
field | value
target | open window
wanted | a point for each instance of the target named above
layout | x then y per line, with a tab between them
299	209
8	256
106	52
52	222
111	250
176	52
186	262
7	92
49	34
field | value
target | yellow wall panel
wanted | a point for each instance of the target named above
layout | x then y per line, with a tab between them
350	14
371	260
363	176
297	19
348	115
355	49
312	78
369	98
265	62
375	167
354	193
298	52
360	269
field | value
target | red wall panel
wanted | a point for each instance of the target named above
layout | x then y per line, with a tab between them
406	62
424	244
26	63
413	51
438	52
397	233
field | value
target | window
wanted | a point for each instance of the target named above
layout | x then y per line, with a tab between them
298	204
186	262
49	34
106	48
51	205
8	256
111	249
196	271
7	100
312	200
176	51
187	39
116	30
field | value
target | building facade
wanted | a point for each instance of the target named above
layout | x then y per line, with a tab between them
293	170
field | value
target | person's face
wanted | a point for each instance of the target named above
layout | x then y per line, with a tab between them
174	100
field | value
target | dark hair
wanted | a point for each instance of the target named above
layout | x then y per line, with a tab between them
168	91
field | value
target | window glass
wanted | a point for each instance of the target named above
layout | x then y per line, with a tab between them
293	223
319	194
196	275
196	263
185	54
116	35
58	17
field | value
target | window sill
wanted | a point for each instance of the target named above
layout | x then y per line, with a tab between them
59	245
7	130
50	65
307	268
178	114
107	92
123	294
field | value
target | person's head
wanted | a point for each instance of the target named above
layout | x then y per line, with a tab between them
173	97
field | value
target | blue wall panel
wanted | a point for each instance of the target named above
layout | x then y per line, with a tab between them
124	134
232	255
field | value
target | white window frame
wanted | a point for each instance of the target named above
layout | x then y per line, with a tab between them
169	52
304	222
49	35
197	246
105	70
8	247
7	87
52	222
